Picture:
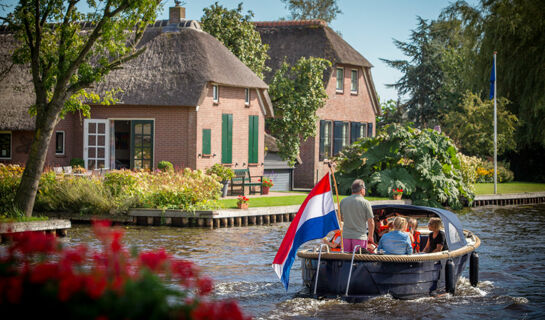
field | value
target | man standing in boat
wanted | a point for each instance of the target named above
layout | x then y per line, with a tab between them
357	215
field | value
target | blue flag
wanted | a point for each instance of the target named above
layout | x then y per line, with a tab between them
492	79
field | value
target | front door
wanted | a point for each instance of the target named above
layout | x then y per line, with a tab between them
96	145
142	144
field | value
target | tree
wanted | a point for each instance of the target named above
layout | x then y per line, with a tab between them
65	57
392	112
238	34
472	127
296	92
326	10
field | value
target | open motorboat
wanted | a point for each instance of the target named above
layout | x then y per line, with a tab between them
360	275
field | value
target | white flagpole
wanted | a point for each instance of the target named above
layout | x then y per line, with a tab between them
495	129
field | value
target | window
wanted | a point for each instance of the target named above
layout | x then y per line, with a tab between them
363	130
215	94
226	138
325	139
370	129
247	97
206	142
355	131
5	145
341	136
253	139
340	79
142	144
59	143
354	81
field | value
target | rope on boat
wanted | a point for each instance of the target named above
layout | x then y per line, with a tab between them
393	258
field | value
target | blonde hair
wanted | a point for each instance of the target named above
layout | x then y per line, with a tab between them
435	223
400	223
413	222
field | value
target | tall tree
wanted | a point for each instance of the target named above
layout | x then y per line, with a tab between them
236	32
296	92
326	10
65	57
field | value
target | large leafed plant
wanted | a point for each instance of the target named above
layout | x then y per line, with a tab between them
424	163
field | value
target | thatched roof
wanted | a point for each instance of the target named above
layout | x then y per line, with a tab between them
291	40
174	70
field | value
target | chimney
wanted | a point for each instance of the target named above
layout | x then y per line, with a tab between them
176	13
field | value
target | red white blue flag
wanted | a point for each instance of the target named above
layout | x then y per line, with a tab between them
315	218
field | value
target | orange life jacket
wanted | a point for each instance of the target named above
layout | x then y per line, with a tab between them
336	236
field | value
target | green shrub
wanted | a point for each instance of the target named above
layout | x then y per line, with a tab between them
468	166
165	166
77	162
485	172
221	172
423	163
10	176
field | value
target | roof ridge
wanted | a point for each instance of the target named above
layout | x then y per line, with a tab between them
290	23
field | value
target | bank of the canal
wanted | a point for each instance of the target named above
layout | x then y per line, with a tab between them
512	272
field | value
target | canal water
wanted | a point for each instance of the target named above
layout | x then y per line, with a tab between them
512	269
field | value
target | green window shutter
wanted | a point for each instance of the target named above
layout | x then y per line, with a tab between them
253	139
227	138
206	137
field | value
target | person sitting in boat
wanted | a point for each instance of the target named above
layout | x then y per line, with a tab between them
357	215
414	234
437	241
396	241
381	227
334	242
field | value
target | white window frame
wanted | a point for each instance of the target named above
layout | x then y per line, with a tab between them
215	93
10	145
63	143
247	97
341	89
352	81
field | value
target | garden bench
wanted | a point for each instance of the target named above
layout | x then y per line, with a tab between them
243	179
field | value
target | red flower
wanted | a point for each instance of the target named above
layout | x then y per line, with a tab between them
153	260
116	240
185	270
14	289
69	285
205	286
95	286
43	272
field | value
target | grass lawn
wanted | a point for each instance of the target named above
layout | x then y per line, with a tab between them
510	187
276	201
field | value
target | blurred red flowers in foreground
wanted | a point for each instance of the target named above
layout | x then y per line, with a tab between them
38	277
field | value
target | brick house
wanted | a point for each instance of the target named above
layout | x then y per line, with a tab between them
352	103
187	99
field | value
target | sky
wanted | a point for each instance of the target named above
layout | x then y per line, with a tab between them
367	25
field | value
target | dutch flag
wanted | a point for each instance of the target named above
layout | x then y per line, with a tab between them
315	218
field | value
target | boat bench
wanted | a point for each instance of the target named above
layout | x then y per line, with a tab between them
243	179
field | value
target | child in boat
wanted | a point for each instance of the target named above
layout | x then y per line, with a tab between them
437	241
334	242
396	241
414	234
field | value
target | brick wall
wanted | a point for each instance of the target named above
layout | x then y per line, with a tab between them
209	116
345	106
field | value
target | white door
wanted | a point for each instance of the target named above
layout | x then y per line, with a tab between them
96	147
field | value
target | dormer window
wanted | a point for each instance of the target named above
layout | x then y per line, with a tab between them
247	97
340	79
215	94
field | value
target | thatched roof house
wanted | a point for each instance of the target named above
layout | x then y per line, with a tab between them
173	71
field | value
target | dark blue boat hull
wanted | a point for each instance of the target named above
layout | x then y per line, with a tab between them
402	280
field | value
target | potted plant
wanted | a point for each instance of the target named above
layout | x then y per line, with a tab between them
223	175
242	202
266	184
397	193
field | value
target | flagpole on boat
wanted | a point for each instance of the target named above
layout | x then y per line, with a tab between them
338	203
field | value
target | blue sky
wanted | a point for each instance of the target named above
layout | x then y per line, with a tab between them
368	25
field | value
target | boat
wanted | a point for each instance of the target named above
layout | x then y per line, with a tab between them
359	275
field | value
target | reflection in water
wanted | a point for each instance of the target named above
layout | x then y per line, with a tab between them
512	269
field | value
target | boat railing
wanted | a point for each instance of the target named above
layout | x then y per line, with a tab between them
351	266
318	265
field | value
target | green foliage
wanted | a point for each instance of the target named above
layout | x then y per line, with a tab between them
165	166
297	92
238	34
471	127
468	167
485	172
10	176
423	163
391	113
77	162
221	172
326	10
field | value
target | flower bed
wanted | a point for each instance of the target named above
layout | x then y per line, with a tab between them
39	277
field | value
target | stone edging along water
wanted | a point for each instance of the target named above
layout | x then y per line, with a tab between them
53	226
